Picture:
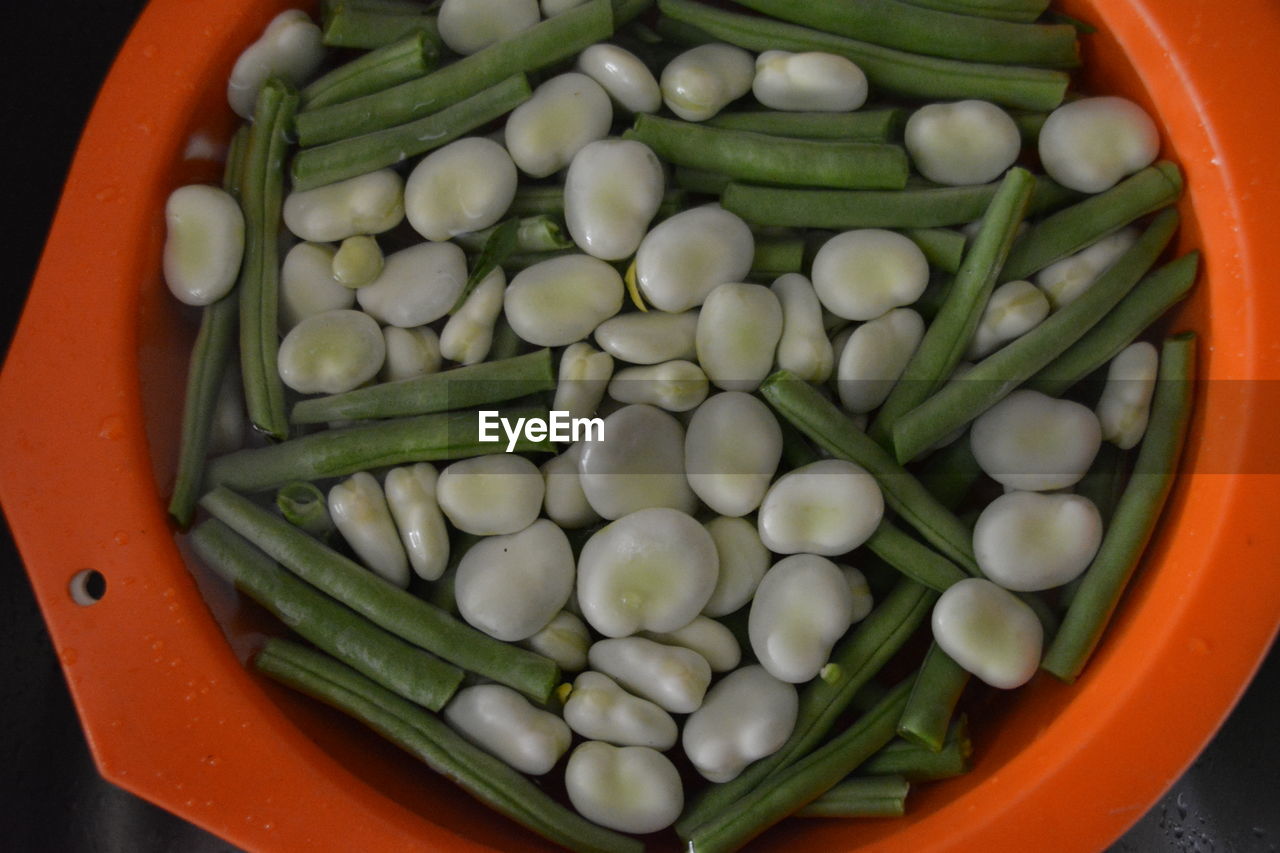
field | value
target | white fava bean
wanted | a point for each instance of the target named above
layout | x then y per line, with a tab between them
358	261
620	72
652	570
511	586
598	709
565	639
1028	541
812	80
564	114
491	495
561	300
703	80
467	26
747	715
676	386
738	332
803	348
629	788
366	204
863	601
410	352
468	334
1033	442
688	255
989	632
1065	280
802	606
465	186
565	503
611	192
203	245
411	497
731	452
307	285
967	142
874	357
331	352
638	464
827	507
359	511
712	641
289	48
506	725
859	275
649	337
1090	144
1015	308
743	562
418	285
581	380
672	677
1125	404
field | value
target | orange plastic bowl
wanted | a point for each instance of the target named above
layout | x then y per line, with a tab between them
90	395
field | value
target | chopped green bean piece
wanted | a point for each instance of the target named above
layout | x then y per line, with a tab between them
862	796
866	125
410	57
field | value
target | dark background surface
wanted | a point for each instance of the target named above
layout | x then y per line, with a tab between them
51	796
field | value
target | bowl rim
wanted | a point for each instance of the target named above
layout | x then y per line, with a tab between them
193	745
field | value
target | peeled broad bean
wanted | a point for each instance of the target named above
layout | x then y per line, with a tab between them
359	511
874	357
418	285
672	677
410	352
688	255
563	299
859	275
815	81
289	48
989	632
676	386
623	75
358	261
1125	404
307	285
1034	442
711	640
738	331
803	349
629	788
703	80
491	495
731	452
652	570
565	503
828	507
465	186
366	204
611	192
204	242
582	380
649	337
512	586
565	639
1088	145
1015	308
467	336
863	601
598	709
638	464
747	715
467	26
331	352
1065	280
966	142
564	114
802	606
743	562
411	497
1028	541
505	724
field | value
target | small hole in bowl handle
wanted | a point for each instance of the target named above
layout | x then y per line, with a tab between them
87	587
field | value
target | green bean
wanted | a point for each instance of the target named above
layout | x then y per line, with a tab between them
819	419
857	659
1005	10
873	125
949	474
410	57
948	336
990	380
798	784
942	247
539	233
912	559
1068	231
1104	483
426	737
458	388
210	356
773	159
700	180
338	452
366	25
549	200
544	44
927	715
626	11
304	506
404	669
1144	304
1029	124
917	763
890	23
383	604
777	255
358	155
1135	515
888	70
862	796
506	343
930	207
261	196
